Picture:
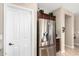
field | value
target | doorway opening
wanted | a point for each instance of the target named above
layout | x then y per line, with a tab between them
68	32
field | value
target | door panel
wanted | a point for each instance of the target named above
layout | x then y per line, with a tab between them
18	32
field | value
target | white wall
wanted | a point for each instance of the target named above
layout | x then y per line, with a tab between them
76	26
1	17
1	23
57	13
53	6
1	27
60	22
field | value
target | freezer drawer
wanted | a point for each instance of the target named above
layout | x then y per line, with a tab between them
47	51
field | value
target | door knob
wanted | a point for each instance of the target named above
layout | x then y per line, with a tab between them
11	44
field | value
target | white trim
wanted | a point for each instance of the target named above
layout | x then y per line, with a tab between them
62	51
23	8
4	48
17	6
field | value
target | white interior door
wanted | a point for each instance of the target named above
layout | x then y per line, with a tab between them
18	26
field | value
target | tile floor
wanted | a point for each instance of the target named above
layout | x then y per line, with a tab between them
70	52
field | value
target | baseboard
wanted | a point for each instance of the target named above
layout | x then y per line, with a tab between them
69	46
62	52
77	44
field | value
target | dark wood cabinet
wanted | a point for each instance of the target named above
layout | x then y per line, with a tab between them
45	16
57	44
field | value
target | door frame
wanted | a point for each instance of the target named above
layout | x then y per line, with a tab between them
72	30
32	32
62	41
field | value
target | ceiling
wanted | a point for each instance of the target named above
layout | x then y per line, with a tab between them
48	7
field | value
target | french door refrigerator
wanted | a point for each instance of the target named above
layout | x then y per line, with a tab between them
46	37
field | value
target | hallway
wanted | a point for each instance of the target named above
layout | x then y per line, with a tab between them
70	52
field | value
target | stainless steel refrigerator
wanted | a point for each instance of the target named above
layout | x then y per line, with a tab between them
46	37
